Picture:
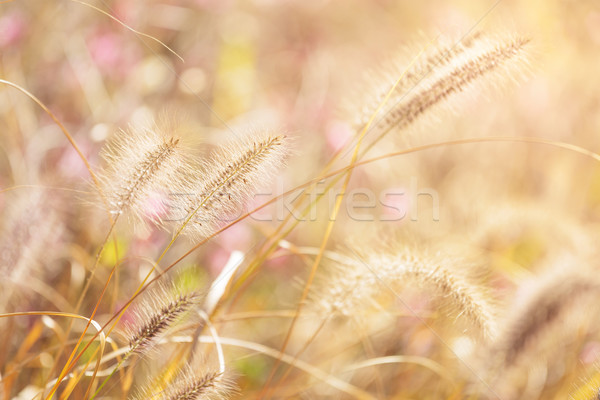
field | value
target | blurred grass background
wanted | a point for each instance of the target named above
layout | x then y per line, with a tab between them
293	64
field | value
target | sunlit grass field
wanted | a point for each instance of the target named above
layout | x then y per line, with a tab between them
265	199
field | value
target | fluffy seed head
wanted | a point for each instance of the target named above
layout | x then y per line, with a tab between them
31	228
554	295
190	384
359	281
542	331
141	165
232	176
31	223
159	312
449	69
195	388
380	82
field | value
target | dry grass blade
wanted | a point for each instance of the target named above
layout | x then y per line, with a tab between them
129	27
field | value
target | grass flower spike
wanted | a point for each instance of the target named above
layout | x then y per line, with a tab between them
450	69
143	163
158	313
231	177
190	384
354	285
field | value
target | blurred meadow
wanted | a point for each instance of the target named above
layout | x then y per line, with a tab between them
462	263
